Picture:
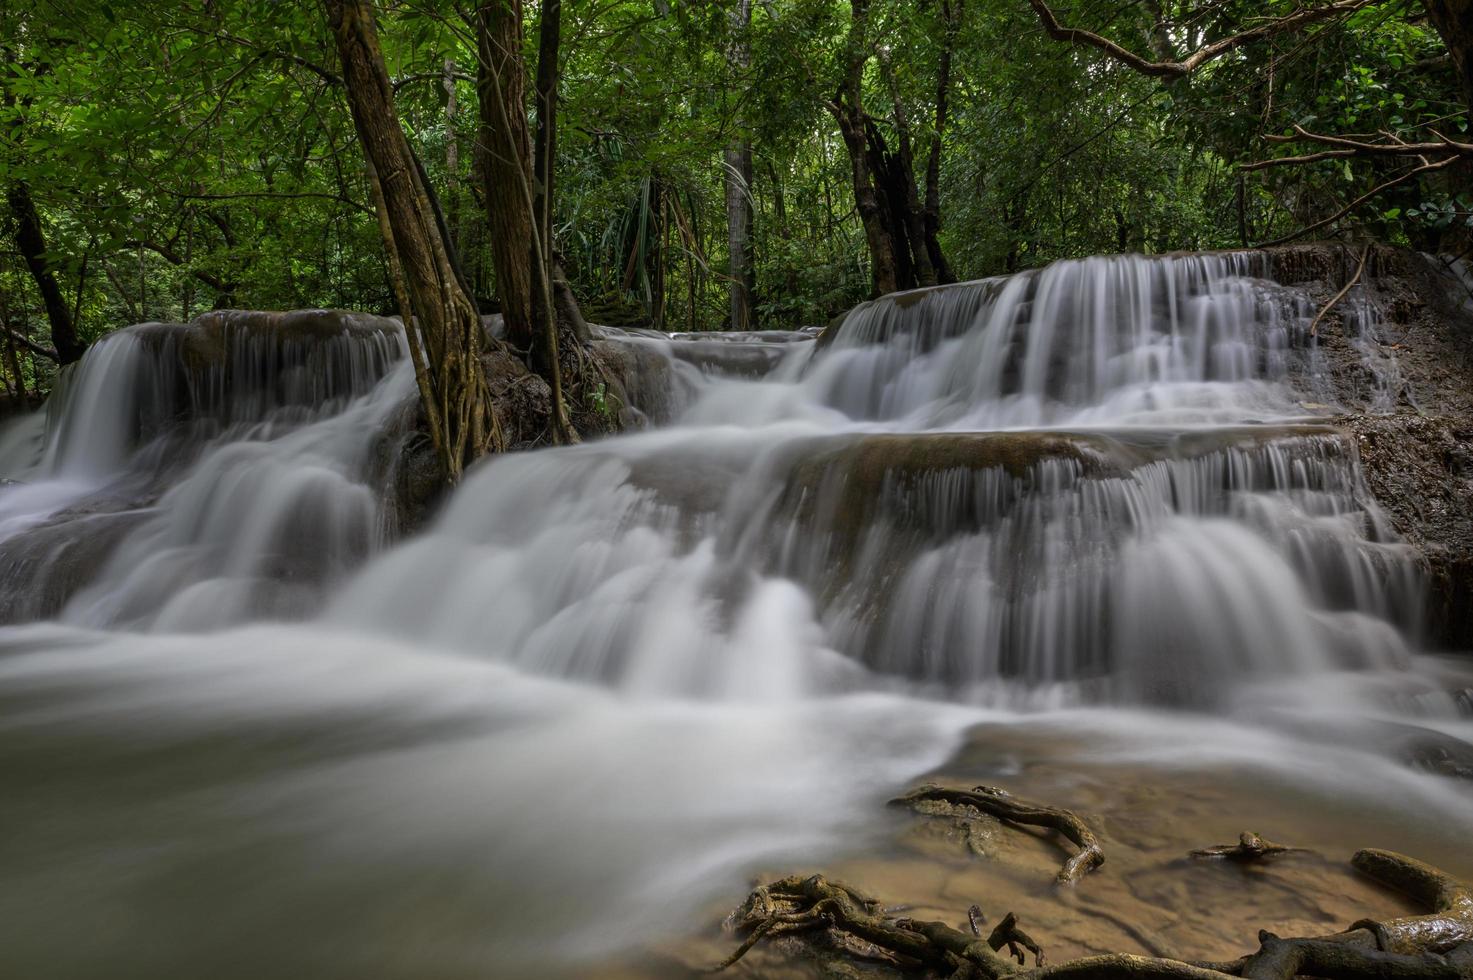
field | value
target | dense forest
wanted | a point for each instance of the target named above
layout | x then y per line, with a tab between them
707	166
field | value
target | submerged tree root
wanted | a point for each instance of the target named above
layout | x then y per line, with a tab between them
1434	946
1250	847
998	803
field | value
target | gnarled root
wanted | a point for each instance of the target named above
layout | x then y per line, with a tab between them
1435	946
933	946
1347	956
1250	847
998	803
1449	923
1008	934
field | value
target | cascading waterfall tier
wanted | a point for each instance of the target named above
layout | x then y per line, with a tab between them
178	385
1119	340
1141	522
255	742
217	466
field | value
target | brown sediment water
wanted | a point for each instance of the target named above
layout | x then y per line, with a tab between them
1151	896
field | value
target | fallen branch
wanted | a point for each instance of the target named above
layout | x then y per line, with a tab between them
1314	326
1250	847
997	803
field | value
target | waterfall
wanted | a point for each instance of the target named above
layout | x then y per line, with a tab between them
1101	504
219	464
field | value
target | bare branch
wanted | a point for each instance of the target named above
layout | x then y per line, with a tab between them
1379	188
1397	148
30	344
1314	328
1298	20
174	258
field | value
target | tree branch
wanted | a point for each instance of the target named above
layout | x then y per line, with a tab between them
30	344
1387	185
174	258
1298	20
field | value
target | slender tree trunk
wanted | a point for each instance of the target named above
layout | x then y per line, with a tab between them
951	12
452	156
520	256
736	168
849	112
30	241
736	162
1159	37
544	168
440	318
12	355
847	108
866	202
909	213
549	42
505	158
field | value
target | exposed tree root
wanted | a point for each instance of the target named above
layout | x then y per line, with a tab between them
1250	847
1008	934
1449	923
999	804
1435	946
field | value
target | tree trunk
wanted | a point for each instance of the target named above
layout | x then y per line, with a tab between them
521	257
737	177
452	156
30	240
951	12
1454	21
505	159
440	318
544	166
12	356
909	215
847	108
549	41
866	202
737	173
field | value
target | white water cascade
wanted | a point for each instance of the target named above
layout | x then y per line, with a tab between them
249	732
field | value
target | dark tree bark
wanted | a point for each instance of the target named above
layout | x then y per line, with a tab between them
737	178
440	317
549	42
900	230
847	108
30	241
544	167
505	159
452	155
12	355
907	203
522	259
951	13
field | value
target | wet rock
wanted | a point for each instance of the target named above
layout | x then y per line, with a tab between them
642	387
46	565
1417	468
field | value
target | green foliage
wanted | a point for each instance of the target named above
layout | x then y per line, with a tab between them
189	155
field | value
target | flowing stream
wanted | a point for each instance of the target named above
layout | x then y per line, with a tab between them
248	729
